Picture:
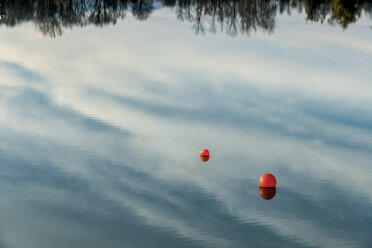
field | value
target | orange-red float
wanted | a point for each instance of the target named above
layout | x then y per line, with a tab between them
267	193
267	180
204	152
204	155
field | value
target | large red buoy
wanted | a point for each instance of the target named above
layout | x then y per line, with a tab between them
267	193
204	155
267	180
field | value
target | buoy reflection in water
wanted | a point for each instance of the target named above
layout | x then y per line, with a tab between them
204	158
267	193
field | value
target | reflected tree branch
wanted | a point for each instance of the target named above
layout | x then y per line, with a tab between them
233	17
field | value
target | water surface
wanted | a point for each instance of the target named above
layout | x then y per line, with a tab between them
102	122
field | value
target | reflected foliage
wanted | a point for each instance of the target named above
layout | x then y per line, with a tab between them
51	17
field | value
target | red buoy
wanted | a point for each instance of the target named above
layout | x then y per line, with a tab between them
267	193
204	155
204	152
267	180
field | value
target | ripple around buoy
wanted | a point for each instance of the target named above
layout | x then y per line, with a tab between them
267	193
267	180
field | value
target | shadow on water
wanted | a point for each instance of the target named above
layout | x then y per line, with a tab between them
233	17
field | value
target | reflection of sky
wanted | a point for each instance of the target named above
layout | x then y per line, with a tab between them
99	131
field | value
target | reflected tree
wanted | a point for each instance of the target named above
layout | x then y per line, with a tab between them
344	12
234	17
105	12
336	11
142	8
168	3
52	16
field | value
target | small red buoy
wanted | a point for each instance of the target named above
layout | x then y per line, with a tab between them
204	155
204	152
267	193
267	180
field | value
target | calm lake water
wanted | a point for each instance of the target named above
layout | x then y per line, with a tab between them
105	106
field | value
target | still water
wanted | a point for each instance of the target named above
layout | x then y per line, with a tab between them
105	106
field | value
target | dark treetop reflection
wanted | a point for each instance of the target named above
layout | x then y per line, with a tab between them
230	16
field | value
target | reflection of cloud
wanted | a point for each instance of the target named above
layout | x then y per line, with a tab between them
19	72
22	71
155	202
176	207
108	116
349	42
